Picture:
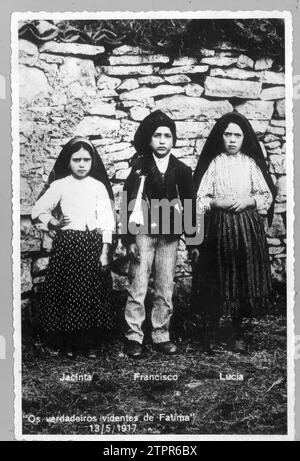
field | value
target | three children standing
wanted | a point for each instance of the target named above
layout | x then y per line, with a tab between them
231	268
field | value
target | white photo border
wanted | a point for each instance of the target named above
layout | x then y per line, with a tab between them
207	14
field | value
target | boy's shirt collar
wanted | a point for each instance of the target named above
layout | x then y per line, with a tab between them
162	163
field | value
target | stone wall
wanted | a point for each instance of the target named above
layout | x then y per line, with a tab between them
70	89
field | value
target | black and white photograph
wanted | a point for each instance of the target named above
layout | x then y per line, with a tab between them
153	225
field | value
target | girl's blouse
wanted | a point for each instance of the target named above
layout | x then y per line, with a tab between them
234	176
85	201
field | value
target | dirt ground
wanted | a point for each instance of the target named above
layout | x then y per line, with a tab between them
197	402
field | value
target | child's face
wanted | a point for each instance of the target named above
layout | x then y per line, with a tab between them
161	141
80	163
233	138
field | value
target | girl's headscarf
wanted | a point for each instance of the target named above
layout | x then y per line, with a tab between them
61	166
215	145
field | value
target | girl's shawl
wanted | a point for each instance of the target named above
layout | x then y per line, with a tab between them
61	166
214	146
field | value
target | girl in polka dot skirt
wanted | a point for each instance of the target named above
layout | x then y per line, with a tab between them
78	204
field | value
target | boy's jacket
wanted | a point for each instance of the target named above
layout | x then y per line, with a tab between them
177	186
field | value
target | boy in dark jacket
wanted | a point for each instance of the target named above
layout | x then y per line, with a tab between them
159	189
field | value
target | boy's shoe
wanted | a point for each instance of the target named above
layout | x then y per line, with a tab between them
134	349
166	348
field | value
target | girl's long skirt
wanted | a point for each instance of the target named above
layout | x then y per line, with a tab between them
76	294
233	273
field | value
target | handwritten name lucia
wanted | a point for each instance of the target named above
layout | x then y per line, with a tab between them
75	377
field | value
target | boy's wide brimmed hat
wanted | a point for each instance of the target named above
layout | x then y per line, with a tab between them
148	126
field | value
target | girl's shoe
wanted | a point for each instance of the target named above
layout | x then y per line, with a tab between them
240	346
92	355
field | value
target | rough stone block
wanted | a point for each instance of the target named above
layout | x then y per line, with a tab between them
273	241
276	130
261	110
139	113
125	154
108	95
102	108
97	126
263	64
270	138
33	84
277	229
206	52
272	145
129	84
107	83
278	269
128	70
280	108
121	114
186	107
273	93
194	129
273	78
151	80
28	48
126	49
201	69
259	126
128	129
225	88
72	49
51	58
176	79
277	164
280	207
219	61
131	60
276	250
184	61
30	236
146	93
78	76
281	189
244	61
236	74
193	89
117	147
275	122
121	175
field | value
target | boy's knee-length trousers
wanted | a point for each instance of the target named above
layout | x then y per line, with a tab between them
158	254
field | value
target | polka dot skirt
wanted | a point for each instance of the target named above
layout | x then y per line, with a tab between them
76	293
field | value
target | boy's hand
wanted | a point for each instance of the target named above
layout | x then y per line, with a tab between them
133	252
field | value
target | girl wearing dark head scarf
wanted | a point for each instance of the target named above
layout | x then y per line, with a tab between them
233	185
77	202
